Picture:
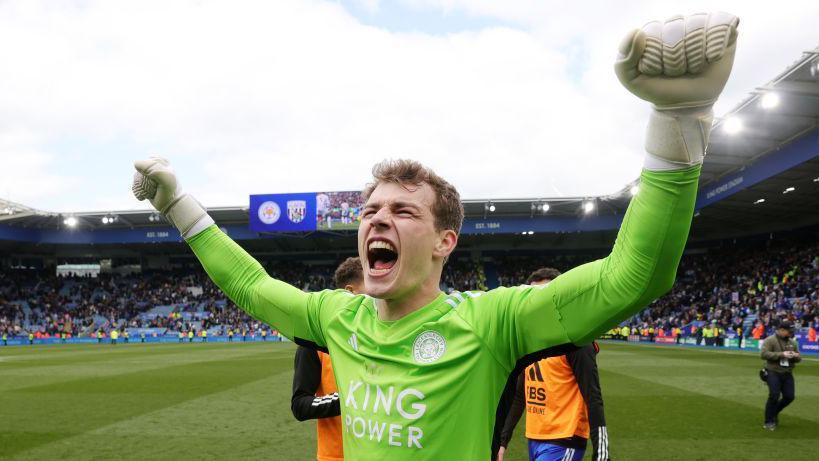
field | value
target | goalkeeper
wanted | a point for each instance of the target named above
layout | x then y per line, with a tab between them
420	372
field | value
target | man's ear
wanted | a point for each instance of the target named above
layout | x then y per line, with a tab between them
446	243
355	288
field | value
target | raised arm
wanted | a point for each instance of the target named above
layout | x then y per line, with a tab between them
681	66
642	266
284	307
294	313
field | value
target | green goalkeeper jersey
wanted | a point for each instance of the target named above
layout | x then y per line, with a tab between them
427	386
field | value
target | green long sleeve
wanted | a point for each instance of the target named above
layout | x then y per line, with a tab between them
294	313
586	301
643	263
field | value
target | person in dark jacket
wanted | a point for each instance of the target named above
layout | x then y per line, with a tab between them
314	390
562	400
781	354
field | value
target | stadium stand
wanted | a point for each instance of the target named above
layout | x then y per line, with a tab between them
738	290
158	303
734	289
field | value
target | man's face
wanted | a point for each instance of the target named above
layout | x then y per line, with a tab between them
783	332
397	241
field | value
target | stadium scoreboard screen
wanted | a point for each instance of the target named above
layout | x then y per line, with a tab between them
305	212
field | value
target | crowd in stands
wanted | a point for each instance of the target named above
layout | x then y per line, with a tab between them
48	305
514	270
463	275
717	292
741	290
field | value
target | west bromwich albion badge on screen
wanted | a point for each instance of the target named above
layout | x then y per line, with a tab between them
296	210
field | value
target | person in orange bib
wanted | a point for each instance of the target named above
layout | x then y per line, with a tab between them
758	331
563	403
315	395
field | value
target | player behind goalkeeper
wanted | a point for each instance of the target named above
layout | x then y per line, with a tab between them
562	400
420	372
315	395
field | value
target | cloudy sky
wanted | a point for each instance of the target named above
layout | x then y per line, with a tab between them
513	98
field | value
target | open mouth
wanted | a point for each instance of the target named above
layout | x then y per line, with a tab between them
381	256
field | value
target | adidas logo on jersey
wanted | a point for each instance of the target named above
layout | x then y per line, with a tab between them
353	342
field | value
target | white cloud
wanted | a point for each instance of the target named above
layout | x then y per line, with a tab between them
370	6
27	174
292	96
771	36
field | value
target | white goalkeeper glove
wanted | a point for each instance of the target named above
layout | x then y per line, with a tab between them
155	180
680	66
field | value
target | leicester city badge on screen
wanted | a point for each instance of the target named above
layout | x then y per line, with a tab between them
283	212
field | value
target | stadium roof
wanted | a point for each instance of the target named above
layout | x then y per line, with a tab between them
772	118
774	115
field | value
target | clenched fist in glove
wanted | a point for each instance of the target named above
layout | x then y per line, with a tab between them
680	66
155	180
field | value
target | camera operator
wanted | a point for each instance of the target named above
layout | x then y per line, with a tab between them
781	353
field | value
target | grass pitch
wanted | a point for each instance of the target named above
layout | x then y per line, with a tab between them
232	401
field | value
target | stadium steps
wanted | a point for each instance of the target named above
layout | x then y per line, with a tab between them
68	284
99	322
161	311
26	309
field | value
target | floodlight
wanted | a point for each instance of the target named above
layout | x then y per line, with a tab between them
70	221
588	206
634	189
105	220
733	125
491	208
545	207
531	232
769	100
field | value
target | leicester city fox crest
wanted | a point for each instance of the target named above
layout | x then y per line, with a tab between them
296	209
269	212
428	347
